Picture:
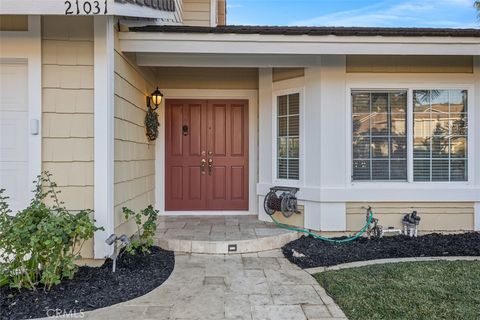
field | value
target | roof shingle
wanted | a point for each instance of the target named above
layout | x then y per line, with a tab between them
316	31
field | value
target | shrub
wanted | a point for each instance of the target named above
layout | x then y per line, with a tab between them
40	243
142	241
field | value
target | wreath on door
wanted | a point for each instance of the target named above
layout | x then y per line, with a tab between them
151	124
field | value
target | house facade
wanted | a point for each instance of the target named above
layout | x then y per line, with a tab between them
351	116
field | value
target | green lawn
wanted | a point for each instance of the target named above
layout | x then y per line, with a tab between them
412	290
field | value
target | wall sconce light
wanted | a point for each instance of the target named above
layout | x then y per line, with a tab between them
156	98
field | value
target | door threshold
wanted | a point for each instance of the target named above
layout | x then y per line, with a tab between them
209	213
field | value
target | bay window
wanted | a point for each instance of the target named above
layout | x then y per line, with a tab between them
440	135
437	124
379	135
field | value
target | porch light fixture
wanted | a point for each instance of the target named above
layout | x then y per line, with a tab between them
156	98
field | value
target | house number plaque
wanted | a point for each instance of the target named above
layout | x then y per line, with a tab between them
95	7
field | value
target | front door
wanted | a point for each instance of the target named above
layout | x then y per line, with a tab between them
206	155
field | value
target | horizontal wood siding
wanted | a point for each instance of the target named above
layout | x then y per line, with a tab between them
409	64
222	13
435	216
196	12
13	23
134	154
67	109
295	220
279	74
207	78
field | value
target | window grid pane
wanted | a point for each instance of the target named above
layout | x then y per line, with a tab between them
379	135
288	136
440	135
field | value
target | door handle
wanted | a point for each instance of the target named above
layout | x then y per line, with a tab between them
203	163
210	166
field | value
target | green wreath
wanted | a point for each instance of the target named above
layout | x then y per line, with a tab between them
151	124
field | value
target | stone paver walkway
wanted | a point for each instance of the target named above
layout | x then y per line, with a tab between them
248	286
216	234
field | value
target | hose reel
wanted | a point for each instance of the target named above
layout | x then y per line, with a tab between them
286	202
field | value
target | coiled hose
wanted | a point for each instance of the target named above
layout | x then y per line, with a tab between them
316	236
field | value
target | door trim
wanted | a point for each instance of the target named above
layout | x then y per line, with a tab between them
26	47
227	158
211	94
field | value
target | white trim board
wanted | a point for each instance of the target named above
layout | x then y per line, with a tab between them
26	47
252	97
294	45
104	133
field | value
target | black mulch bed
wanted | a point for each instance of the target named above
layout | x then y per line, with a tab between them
318	253
92	288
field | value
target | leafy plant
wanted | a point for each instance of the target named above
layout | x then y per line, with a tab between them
40	243
151	124
142	241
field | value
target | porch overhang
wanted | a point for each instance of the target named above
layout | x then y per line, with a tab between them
232	46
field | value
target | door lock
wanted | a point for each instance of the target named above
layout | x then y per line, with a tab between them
210	166
203	163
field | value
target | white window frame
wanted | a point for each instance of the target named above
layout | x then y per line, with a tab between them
410	88
301	155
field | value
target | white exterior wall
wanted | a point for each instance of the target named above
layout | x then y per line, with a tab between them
326	142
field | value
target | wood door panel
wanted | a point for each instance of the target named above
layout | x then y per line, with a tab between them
218	126
176	121
194	183
185	185
238	185
238	130
229	123
176	183
194	126
219	130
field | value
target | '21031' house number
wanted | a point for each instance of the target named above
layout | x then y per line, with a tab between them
75	7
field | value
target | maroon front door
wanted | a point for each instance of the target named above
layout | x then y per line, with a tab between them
206	155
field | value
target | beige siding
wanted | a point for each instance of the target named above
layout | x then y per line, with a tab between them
279	74
134	155
207	78
409	64
438	216
296	220
67	109
196	12
13	23
221	13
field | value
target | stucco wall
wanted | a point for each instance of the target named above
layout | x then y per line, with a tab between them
134	155
435	216
67	109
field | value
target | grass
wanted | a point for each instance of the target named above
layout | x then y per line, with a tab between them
411	290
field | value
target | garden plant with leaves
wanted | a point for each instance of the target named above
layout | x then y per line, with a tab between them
142	240
40	244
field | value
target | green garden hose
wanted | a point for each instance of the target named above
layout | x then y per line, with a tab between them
316	236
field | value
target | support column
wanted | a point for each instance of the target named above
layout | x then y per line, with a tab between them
265	111
103	132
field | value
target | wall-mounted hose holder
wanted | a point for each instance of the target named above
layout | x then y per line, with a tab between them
281	199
